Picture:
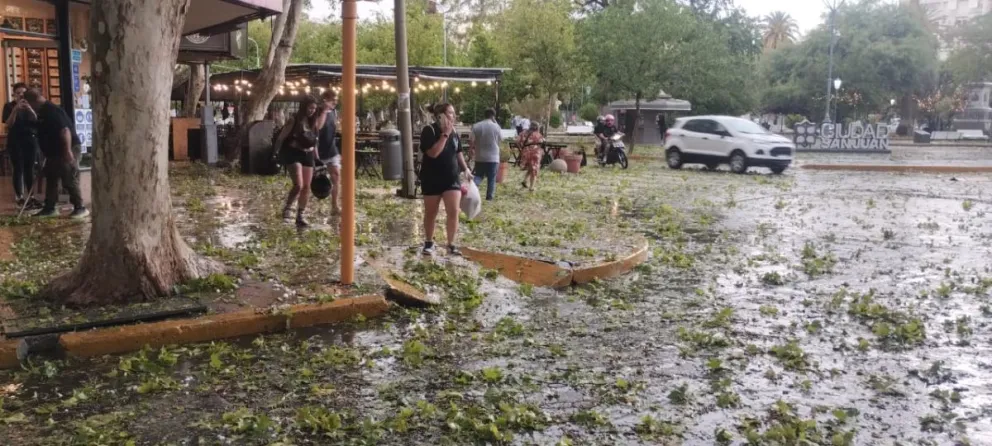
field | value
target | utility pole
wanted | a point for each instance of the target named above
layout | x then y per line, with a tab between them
349	19
830	66
409	189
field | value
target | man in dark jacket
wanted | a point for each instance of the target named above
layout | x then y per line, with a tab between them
62	149
22	145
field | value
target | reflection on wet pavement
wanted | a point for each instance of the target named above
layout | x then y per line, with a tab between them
858	300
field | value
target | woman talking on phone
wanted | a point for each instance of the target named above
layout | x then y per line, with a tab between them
295	145
439	175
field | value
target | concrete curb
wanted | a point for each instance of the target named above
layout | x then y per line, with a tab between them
521	269
613	269
128	338
406	294
898	168
8	354
646	157
538	273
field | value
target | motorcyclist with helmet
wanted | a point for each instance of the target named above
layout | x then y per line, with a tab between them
604	131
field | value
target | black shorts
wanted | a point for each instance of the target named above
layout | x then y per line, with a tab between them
291	156
438	186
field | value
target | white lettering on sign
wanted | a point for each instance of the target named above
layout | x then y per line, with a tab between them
838	137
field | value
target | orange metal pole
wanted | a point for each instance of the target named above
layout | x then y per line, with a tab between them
349	18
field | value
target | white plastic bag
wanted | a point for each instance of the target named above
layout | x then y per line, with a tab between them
471	203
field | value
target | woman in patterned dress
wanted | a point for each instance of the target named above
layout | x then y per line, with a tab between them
530	153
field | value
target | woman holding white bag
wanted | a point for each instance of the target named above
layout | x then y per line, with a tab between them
440	171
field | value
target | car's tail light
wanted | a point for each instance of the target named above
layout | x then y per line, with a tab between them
668	133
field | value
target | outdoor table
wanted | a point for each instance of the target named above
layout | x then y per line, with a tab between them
367	158
551	152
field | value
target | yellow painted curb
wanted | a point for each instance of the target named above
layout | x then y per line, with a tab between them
612	269
899	168
405	293
8	354
228	325
520	269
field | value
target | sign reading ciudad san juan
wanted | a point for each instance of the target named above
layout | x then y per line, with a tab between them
830	137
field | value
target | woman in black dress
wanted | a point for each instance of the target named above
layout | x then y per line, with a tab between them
439	175
295	145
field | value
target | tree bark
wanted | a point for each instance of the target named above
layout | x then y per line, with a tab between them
134	251
197	80
273	75
277	30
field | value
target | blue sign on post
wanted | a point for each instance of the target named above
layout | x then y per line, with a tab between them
77	56
75	78
84	127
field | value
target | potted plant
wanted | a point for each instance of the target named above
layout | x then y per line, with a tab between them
504	162
573	160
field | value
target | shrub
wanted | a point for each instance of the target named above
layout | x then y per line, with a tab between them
589	112
793	119
555	121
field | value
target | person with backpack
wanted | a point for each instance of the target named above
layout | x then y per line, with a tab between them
442	165
295	150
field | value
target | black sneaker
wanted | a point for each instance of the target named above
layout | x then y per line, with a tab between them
47	213
287	214
19	201
454	251
34	204
428	248
79	213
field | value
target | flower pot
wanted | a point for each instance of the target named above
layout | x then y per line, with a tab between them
574	163
501	173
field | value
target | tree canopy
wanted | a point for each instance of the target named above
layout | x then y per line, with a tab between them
883	52
972	59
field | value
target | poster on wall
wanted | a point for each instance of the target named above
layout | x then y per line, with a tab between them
84	128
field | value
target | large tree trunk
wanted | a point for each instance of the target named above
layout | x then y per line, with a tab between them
273	75
277	31
134	251
197	80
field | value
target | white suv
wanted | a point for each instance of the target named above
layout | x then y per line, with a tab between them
715	140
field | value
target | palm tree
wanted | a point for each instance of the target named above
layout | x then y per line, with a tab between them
780	28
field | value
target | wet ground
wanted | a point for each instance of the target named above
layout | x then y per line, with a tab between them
811	308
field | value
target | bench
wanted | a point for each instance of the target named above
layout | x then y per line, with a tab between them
973	135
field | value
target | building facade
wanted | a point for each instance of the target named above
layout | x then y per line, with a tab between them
951	13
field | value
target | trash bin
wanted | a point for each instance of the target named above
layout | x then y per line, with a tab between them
391	152
921	137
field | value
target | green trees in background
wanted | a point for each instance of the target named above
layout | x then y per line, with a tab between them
709	52
884	52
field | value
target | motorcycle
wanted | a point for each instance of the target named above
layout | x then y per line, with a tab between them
615	152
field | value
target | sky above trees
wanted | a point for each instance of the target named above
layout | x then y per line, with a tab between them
808	14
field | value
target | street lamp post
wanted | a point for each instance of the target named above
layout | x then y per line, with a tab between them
830	65
837	84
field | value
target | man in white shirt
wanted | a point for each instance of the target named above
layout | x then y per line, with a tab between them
484	145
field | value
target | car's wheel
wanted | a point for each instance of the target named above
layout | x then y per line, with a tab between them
777	170
674	158
712	166
738	162
622	158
